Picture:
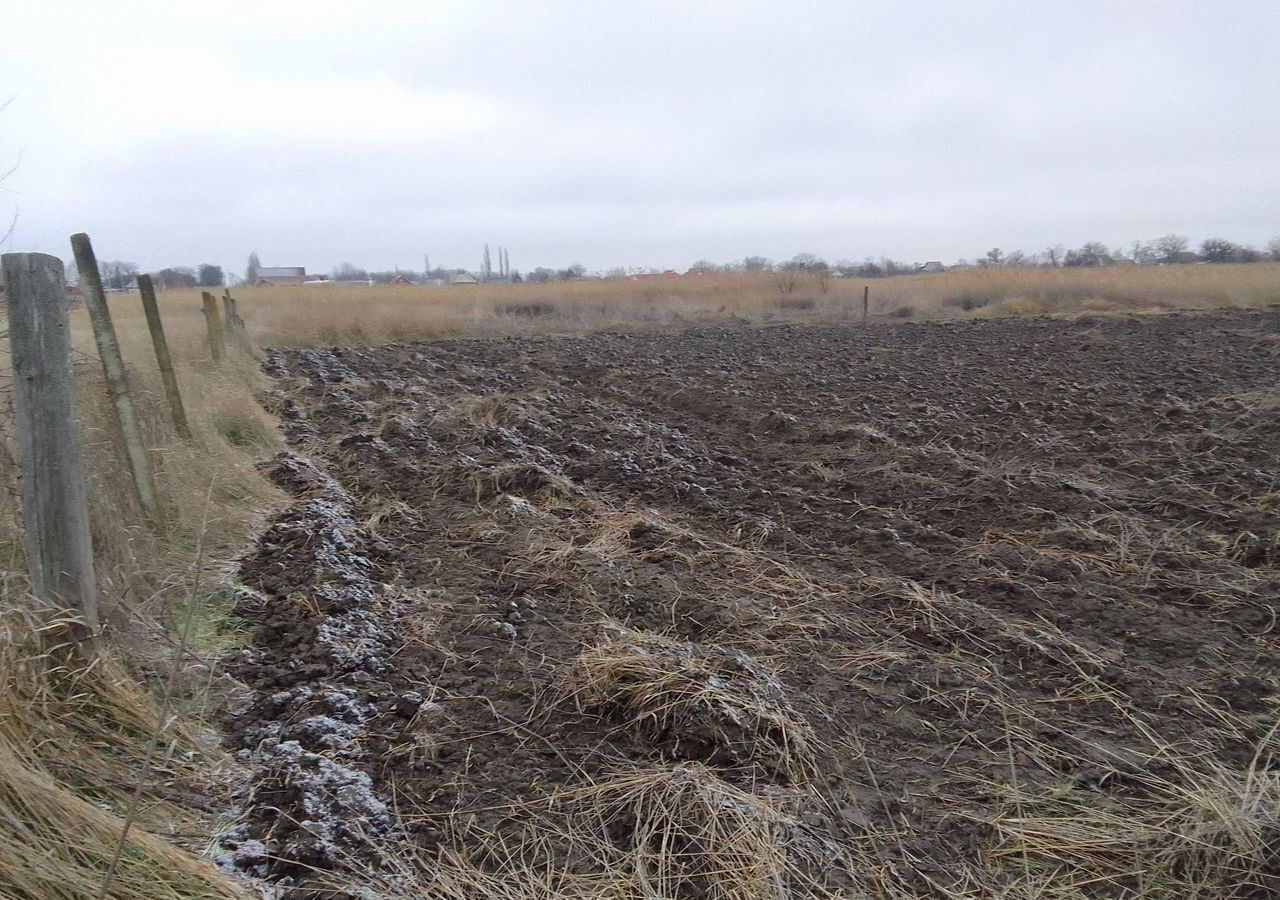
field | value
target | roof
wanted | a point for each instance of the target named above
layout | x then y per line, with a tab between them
462	279
281	271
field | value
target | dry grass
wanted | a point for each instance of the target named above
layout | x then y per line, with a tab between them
648	833
1176	827
330	314
209	491
684	832
699	701
74	742
82	751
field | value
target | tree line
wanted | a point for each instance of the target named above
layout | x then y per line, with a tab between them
1168	249
120	275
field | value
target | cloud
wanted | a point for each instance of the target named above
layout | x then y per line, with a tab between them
613	133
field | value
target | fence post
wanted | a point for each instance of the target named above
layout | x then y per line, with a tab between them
232	321
866	301
104	335
152	311
213	322
55	508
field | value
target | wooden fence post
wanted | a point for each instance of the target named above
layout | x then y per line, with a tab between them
104	334
213	322
152	311
232	321
55	508
866	301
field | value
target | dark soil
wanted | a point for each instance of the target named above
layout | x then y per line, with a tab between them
958	555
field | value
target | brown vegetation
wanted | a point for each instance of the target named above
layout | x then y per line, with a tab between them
313	315
78	748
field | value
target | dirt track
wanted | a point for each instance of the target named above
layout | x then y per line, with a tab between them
865	583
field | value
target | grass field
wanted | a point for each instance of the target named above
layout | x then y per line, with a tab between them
159	584
327	314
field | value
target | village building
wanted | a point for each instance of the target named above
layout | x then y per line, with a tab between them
270	275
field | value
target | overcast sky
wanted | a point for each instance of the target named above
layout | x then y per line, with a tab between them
636	133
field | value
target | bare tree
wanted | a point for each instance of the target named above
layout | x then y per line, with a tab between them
1093	253
1219	250
118	275
1273	247
1169	249
210	275
1143	253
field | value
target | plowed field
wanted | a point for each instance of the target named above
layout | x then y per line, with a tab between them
968	609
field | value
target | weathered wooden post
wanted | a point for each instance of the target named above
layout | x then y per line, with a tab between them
866	301
213	322
231	318
104	335
163	359
55	508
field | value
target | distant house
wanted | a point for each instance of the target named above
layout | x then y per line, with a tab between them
654	276
400	279
462	278
931	266
269	275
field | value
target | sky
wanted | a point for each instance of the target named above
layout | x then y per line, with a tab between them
647	134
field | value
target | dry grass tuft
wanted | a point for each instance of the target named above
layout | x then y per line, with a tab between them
1208	834
685	832
698	702
1021	306
74	742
